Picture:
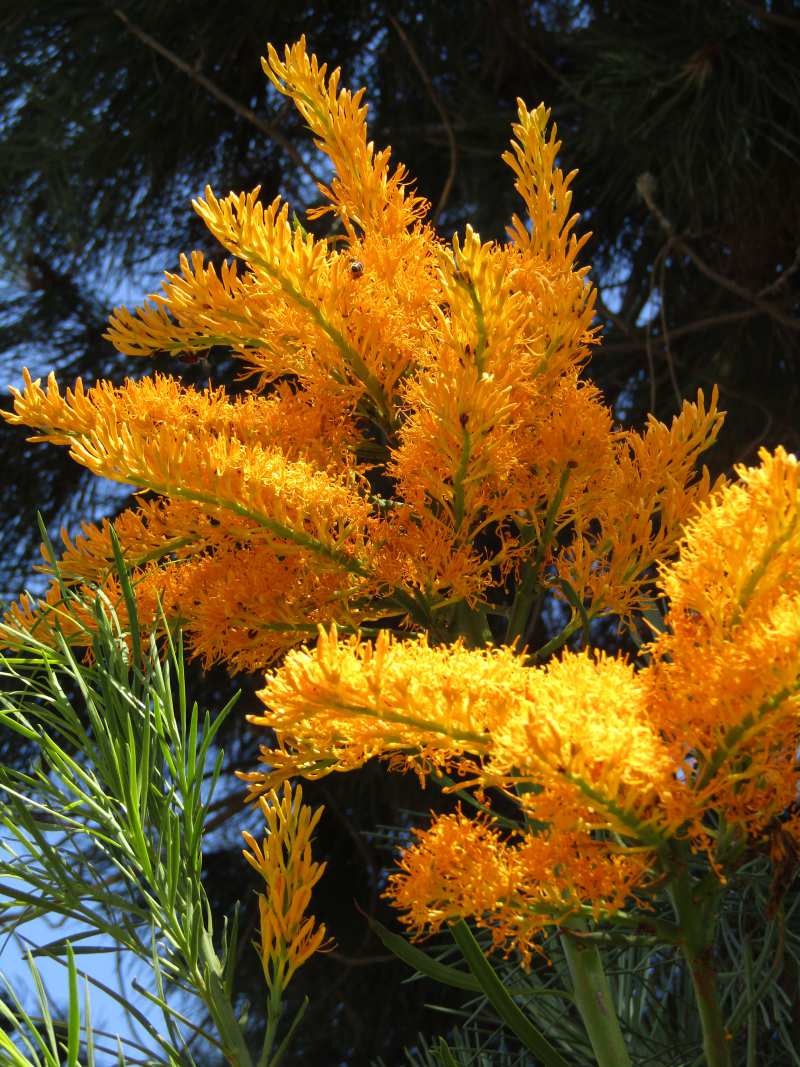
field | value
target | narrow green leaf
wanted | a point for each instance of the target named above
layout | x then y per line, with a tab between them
128	1005
145	763
578	606
191	745
221	1010
442	972
420	961
171	1013
499	998
213	725
127	594
444	1055
171	833
14	1057
53	555
89	1031
21	1022
11	721
284	1045
230	945
74	1019
46	1018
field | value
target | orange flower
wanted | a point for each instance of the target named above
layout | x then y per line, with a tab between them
725	681
288	936
461	868
578	728
339	705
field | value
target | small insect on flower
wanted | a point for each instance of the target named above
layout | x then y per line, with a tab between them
356	268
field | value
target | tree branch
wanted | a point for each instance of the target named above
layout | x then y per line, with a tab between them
638	343
436	100
770	16
214	90
645	186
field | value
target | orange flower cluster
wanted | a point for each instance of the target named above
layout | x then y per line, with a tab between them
422	452
420	439
607	764
461	868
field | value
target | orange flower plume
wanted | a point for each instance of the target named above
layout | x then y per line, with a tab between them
420	461
607	764
288	937
419	434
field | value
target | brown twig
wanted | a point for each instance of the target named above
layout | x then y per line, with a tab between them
651	367
698	326
612	316
783	278
648	339
746	451
662	310
557	76
645	186
224	809
335	809
786	21
219	94
359	961
444	196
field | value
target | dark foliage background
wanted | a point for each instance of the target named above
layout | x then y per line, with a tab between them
684	119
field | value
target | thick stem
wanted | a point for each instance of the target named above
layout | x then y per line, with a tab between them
472	626
523	601
556	642
593	998
696	914
715	1041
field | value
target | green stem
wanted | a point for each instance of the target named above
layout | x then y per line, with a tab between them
593	998
520	609
472	626
500	999
742	731
695	910
274	1010
351	356
459	478
556	642
715	1041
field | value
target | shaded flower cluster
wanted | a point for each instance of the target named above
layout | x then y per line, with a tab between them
288	936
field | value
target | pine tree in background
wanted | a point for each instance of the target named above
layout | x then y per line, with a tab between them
688	133
683	119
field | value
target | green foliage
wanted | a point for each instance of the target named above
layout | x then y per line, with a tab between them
107	829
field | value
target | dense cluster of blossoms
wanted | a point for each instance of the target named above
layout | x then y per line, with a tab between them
608	765
419	434
420	461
